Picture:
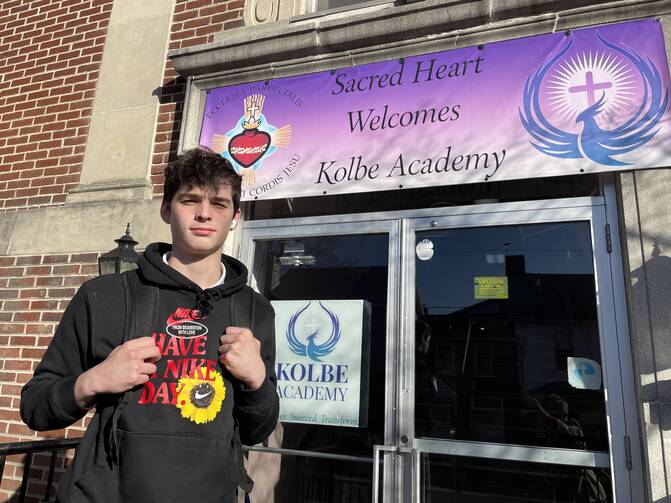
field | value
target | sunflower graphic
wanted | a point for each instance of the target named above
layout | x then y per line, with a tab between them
199	400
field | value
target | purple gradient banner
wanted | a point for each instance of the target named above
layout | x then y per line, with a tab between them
592	100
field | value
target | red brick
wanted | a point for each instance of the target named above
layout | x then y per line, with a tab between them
16	305
31	259
12	328
44	304
62	292
75	280
56	189
194	23
10	352
207	30
26	192
8	376
49	281
39	329
23	340
43	342
55	259
5	261
16	202
33	293
51	317
38	182
58	170
32	353
18	184
195	4
11	271
21	282
16	429
18	365
91	269
26	316
84	257
66	269
234	24
39	200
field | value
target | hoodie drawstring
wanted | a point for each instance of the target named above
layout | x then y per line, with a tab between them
204	305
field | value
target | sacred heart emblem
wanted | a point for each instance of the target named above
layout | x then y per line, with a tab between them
249	146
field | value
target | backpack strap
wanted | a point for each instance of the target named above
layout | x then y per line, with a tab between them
141	314
143	301
242	316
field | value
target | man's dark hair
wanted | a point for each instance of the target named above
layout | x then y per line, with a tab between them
201	167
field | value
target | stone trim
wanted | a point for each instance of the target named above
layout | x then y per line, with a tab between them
123	124
453	22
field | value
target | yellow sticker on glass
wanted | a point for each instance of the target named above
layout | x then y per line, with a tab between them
491	287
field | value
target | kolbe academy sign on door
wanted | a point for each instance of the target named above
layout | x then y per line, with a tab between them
322	361
591	100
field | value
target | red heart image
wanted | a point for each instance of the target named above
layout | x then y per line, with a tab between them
249	146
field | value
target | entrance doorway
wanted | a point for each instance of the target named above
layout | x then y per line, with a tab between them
493	348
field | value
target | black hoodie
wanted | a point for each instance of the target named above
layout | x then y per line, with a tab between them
173	441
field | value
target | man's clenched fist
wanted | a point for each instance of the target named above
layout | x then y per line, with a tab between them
240	353
124	368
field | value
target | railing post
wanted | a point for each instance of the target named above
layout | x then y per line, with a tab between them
26	476
2	467
50	479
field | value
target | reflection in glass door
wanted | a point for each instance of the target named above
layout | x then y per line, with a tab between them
508	366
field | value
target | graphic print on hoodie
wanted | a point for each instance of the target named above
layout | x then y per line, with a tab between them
187	378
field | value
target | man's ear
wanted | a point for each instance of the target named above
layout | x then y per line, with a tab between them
165	212
236	219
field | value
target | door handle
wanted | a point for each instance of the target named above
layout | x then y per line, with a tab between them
376	467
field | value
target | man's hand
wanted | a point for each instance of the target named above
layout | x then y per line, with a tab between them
240	353
126	366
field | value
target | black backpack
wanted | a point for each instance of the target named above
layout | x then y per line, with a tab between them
141	316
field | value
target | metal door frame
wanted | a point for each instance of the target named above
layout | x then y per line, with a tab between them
400	448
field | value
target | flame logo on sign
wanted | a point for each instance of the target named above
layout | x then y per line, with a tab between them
607	84
312	349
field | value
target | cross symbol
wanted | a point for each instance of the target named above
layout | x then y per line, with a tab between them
251	109
589	87
312	325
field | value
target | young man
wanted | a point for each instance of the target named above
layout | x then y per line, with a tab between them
171	396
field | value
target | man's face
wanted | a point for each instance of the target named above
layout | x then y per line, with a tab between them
200	220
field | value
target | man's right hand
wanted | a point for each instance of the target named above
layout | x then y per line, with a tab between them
126	366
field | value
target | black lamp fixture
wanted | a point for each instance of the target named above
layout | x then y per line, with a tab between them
122	258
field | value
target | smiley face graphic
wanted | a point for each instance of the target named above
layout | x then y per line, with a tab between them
200	399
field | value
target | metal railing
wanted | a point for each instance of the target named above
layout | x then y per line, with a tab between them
31	448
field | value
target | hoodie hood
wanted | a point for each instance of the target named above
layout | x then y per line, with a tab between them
156	272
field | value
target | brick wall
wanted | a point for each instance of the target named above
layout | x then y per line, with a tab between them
195	22
50	53
34	291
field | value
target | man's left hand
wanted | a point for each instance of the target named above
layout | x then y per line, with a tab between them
240	353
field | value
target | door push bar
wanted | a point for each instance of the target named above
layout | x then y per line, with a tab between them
376	467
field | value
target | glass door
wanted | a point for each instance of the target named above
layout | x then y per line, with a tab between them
491	367
312	456
515	352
